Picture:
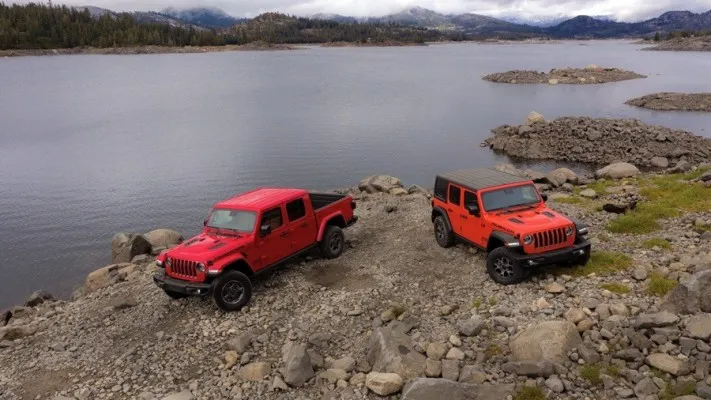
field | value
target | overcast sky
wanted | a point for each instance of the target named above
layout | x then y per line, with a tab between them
629	10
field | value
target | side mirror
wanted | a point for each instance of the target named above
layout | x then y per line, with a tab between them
204	222
473	209
544	197
264	230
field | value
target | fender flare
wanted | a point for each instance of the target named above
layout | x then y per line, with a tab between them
324	224
225	262
502	236
443	212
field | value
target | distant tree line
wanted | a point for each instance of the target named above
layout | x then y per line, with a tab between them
39	26
679	34
280	28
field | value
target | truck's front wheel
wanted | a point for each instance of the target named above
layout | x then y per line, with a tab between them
232	291
332	242
503	267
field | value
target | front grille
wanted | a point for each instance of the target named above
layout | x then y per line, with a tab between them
183	267
549	238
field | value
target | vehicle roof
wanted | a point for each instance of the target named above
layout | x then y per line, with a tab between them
481	178
260	199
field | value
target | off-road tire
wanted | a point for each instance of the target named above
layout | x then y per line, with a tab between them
443	234
175	295
503	268
232	291
333	241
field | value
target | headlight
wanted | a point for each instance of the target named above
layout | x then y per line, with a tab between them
528	239
201	267
159	263
167	261
569	231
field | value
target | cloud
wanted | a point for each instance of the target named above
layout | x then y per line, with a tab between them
628	10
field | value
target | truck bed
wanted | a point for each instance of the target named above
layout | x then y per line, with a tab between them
321	200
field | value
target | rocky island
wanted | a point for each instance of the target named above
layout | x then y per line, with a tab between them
592	74
674	101
397	315
599	141
701	43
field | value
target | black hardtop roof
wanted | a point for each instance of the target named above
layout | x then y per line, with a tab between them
481	178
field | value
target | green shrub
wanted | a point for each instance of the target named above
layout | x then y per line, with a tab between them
657	242
530	393
591	373
614	287
602	263
659	285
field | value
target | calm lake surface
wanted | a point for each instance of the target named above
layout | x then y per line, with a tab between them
94	145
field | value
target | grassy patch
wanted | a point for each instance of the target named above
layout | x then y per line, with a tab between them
601	186
613	371
657	242
667	196
601	263
476	303
614	287
702	228
670	393
493	301
659	285
530	393
493	350
568	200
591	373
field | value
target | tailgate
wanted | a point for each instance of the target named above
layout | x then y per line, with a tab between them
327	204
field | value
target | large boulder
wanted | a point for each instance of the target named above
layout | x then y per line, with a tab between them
254	372
617	171
12	332
659	162
163	237
393	351
107	276
379	183
691	296
298	366
436	389
125	246
534	118
546	341
656	320
699	326
667	363
38	297
561	176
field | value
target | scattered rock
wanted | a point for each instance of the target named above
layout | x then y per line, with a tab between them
667	363
656	320
530	368
394	352
38	297
431	389
472	326
184	395
254	372
384	384
125	246
660	162
588	193
534	118
12	332
555	288
546	341
107	276
163	238
298	366
436	351
699	326
379	183
617	171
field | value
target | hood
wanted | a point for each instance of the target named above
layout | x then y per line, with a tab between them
207	247
529	221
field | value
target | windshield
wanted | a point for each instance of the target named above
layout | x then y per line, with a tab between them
510	197
241	221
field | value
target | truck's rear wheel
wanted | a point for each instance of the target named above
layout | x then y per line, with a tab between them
503	267
232	291
332	243
443	235
175	295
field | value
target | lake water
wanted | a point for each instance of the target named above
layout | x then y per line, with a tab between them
94	145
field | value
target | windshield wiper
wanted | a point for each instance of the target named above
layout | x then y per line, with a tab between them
219	231
519	207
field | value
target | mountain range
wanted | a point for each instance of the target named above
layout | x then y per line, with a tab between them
582	27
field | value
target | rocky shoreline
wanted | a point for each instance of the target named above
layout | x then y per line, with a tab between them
396	315
388	43
592	74
599	141
702	43
144	50
667	101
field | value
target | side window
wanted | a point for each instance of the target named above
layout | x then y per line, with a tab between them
455	195
469	198
272	218
440	190
295	209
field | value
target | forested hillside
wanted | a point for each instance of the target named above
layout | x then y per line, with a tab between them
36	26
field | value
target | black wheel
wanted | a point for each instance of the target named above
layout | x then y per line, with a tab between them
332	242
175	295
503	268
232	291
443	235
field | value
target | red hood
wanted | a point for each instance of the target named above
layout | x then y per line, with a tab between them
207	247
530	221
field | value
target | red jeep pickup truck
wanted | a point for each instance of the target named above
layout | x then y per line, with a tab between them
248	235
505	215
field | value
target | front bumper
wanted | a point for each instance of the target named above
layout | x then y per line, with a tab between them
184	287
568	254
